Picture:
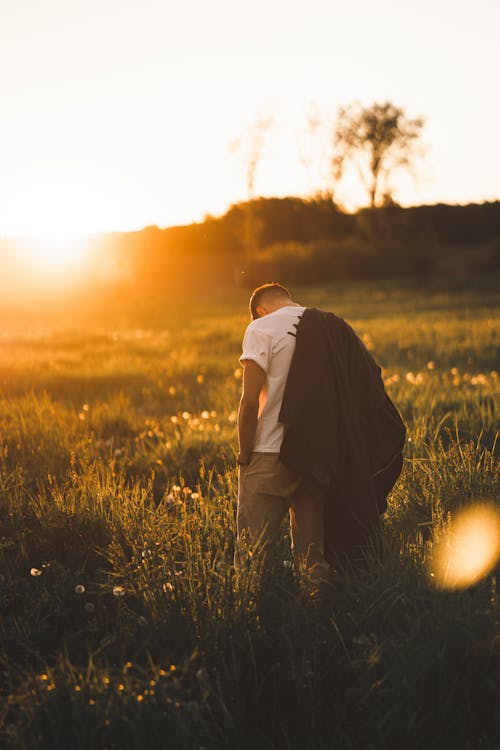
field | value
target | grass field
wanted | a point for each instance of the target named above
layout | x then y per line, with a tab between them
123	623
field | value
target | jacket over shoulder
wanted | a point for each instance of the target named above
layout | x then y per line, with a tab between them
341	429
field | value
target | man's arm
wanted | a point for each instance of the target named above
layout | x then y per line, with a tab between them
254	378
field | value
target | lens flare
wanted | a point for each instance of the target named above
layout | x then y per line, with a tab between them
469	549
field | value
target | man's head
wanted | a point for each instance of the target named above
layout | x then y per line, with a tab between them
267	298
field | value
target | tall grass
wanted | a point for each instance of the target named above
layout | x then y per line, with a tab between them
123	623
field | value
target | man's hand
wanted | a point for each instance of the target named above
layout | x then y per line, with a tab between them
254	378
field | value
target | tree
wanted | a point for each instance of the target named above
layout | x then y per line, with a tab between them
250	147
378	140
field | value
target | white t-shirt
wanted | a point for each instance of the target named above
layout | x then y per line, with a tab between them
267	341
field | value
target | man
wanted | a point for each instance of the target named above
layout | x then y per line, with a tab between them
318	435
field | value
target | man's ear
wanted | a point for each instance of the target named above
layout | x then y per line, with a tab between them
261	311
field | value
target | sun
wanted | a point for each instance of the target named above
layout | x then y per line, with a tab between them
54	252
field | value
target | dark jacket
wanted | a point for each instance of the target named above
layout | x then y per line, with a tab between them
342	430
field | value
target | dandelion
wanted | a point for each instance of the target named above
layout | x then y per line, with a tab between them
35	572
430	365
454	371
174	419
213	413
79	589
172	667
186	491
176	488
140	698
205	414
479	380
167	587
195	496
44	677
146	553
200	378
77	689
89	607
118	591
85	407
120	687
186	415
171	390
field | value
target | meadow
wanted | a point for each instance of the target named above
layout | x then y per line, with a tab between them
122	621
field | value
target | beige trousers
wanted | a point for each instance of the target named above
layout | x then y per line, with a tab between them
267	490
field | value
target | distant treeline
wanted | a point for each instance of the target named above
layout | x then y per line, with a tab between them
299	240
302	241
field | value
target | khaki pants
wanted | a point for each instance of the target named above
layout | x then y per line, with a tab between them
267	489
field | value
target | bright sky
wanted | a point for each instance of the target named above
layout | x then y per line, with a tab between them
119	113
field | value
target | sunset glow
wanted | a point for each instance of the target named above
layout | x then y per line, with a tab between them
53	254
137	131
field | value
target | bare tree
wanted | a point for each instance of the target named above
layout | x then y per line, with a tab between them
315	152
378	140
251	145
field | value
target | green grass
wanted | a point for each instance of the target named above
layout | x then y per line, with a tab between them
117	474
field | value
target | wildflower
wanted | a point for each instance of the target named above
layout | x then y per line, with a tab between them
174	419
200	378
89	607
176	488
185	415
120	687
430	365
85	407
140	698
186	491
171	390
146	553
91	702
44	677
479	380
233	416
213	413
167	587
172	667
205	414
79	589
118	591
162	673
454	371
195	496
35	572
77	689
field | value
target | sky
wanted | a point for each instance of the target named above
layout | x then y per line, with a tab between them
117	114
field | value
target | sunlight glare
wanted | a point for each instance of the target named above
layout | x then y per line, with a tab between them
53	253
469	549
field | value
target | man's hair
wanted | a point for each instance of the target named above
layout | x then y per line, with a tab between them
270	291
